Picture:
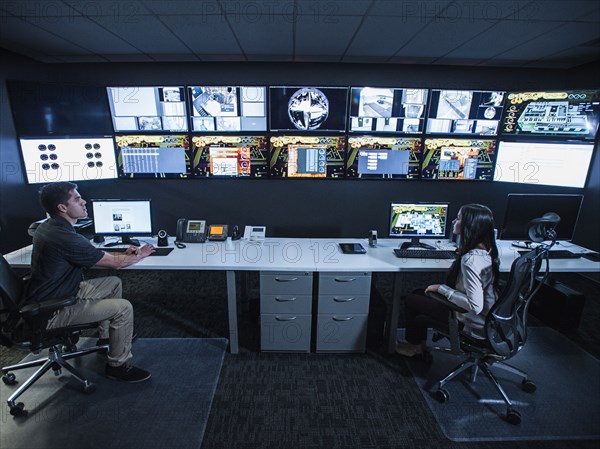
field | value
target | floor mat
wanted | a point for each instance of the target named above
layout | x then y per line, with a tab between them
169	410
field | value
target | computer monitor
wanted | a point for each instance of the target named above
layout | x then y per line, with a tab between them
122	218
53	159
307	157
228	108
230	156
148	109
563	164
387	110
460	159
522	208
306	109
465	112
418	221
569	113
371	157
153	156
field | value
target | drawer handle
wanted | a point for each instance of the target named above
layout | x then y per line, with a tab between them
342	318
286	279
288	318
338	299
344	279
284	299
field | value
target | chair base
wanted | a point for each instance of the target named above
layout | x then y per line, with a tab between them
56	360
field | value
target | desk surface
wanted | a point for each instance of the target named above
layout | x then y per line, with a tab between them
322	255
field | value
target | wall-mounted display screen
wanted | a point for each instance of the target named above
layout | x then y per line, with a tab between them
384	157
53	159
148	109
234	156
465	112
60	110
459	159
228	108
566	113
556	164
307	157
153	156
389	110
307	109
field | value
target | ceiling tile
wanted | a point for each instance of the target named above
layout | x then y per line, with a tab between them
270	35
182	7
558	10
383	36
322	38
330	9
421	11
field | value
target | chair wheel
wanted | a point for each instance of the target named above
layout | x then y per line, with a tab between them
513	417
9	379
528	386
442	395
89	388
18	409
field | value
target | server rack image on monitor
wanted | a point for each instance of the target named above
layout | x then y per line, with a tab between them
371	157
153	156
229	156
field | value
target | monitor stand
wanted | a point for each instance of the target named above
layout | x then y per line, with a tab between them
125	240
415	243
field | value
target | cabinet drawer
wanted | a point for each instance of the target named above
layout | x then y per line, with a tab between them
341	333
286	283
345	283
345	304
285	303
285	332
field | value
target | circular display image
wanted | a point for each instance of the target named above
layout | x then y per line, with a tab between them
308	108
489	113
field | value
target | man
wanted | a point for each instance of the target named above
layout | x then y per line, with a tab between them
57	263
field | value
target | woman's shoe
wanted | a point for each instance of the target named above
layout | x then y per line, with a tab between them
406	349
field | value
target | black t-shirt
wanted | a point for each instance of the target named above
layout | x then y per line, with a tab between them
58	259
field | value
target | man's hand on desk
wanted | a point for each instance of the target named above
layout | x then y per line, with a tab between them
132	255
141	252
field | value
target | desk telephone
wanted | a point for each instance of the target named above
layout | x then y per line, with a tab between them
191	231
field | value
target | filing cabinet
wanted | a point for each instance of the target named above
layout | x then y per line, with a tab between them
285	311
343	308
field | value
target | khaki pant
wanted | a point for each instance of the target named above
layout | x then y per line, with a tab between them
100	300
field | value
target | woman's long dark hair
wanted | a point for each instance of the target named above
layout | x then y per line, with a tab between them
476	228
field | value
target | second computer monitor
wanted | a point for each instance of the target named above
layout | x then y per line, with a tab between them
418	221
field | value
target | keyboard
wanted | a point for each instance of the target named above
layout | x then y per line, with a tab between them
424	254
121	249
557	254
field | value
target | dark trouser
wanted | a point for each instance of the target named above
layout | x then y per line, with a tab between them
423	312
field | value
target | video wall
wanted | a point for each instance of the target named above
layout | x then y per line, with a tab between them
306	132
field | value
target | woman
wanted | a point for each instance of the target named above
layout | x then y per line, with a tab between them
471	282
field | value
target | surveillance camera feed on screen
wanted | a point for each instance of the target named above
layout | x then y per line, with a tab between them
563	164
384	157
387	110
148	109
53	159
418	220
307	109
465	112
568	113
307	157
229	156
465	159
228	108
153	156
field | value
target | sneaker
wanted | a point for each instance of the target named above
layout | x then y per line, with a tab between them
127	373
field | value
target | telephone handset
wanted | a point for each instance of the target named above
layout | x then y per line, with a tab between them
190	231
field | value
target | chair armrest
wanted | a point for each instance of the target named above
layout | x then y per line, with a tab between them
46	307
441	298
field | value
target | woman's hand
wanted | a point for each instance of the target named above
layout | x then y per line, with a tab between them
432	288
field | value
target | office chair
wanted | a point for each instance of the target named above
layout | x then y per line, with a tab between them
25	327
506	323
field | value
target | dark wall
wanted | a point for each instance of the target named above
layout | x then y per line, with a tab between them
319	208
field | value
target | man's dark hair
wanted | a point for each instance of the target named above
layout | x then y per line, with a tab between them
51	195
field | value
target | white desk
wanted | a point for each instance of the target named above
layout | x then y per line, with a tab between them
314	255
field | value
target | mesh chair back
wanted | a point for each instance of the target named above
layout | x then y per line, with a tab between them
506	323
